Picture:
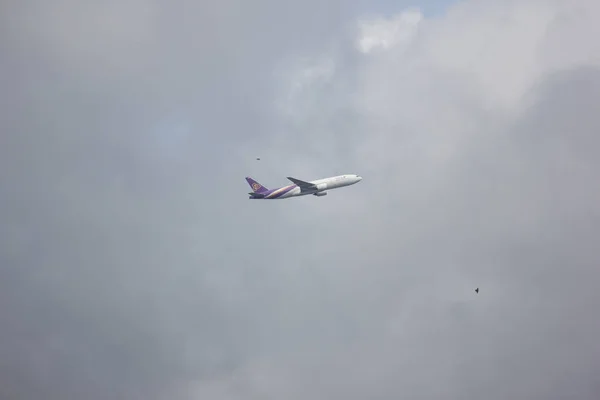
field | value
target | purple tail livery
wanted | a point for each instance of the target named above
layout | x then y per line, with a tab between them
301	188
256	187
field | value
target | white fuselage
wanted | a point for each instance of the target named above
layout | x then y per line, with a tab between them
322	185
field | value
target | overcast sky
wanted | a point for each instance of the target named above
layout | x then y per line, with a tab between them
133	266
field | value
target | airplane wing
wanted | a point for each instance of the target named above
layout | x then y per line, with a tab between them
302	184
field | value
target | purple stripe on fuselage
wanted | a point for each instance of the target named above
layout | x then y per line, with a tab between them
282	191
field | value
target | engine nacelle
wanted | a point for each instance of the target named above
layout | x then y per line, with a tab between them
322	186
319	194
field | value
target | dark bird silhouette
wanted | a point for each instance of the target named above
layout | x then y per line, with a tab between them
258	158
477	290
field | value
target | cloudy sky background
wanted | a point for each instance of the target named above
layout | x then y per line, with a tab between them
133	265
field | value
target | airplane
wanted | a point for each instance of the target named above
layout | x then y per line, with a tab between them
301	188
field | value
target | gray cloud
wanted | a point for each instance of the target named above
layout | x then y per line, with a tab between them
133	265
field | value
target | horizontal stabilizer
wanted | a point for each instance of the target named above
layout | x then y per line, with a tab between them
302	184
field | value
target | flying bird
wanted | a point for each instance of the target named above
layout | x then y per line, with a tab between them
477	290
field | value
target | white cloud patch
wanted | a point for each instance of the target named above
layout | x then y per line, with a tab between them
386	33
301	80
322	71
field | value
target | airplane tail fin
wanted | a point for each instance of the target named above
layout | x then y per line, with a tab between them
256	187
